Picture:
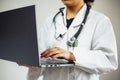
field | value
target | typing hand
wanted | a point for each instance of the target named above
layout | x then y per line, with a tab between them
57	52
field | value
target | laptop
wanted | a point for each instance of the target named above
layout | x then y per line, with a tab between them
18	39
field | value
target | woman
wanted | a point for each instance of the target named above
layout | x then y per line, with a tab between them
93	50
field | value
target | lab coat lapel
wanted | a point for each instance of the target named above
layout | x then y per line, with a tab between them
79	17
61	29
76	22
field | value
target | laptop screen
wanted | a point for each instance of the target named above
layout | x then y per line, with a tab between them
18	36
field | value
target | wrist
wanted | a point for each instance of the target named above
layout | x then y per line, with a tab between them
72	57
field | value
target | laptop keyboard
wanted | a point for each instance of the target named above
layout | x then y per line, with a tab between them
56	60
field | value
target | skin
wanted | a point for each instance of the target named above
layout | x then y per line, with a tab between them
73	7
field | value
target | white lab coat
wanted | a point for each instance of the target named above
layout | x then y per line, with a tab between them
96	53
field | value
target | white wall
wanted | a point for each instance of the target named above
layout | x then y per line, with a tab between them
44	8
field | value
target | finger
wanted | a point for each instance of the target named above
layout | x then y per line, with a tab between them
34	68
53	53
58	55
23	65
54	48
45	52
49	51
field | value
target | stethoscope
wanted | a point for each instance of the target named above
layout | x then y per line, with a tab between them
73	42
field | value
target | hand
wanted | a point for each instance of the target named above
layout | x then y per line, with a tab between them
34	68
57	52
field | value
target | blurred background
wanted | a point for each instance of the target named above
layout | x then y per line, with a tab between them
44	8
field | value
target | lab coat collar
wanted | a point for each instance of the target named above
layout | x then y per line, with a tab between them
79	17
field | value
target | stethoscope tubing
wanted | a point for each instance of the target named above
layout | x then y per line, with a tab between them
75	36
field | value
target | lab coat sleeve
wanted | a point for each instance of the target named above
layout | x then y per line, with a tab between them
102	57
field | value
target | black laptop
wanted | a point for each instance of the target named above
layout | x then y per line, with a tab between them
18	39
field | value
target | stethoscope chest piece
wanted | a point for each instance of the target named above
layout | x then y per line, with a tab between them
73	42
